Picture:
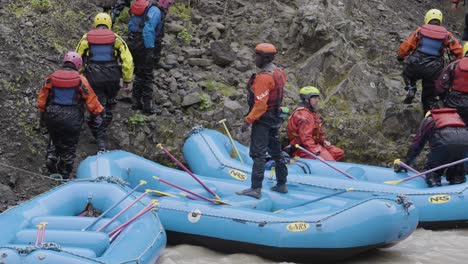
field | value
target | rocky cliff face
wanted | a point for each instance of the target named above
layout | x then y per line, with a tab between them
346	48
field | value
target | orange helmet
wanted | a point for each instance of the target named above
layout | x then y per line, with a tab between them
265	49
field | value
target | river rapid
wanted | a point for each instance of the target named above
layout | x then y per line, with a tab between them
422	247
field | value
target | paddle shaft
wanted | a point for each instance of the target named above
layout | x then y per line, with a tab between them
188	171
434	169
121	212
43	233
112	207
318	199
232	141
185	190
326	163
406	166
38	235
129	221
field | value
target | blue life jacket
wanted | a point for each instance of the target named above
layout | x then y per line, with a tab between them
101	45
65	87
432	40
146	24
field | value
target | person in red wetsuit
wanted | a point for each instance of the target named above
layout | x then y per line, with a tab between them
264	96
305	128
425	49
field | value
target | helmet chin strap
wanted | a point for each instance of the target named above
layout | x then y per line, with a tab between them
306	104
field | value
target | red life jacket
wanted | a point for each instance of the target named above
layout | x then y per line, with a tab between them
460	76
138	7
446	117
101	45
432	39
65	87
275	97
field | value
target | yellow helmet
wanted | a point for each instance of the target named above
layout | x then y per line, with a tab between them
308	91
102	19
433	14
465	48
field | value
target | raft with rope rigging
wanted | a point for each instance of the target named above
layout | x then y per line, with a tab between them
210	153
320	224
60	227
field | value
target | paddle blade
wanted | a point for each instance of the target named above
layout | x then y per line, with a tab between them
394	182
220	202
278	211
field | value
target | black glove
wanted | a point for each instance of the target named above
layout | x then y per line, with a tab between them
42	123
400	59
98	120
398	169
245	126
42	119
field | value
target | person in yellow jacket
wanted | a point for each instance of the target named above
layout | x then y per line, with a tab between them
107	59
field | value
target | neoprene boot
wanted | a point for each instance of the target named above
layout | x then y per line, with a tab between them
433	179
137	105
457	179
280	188
148	107
51	164
255	193
410	95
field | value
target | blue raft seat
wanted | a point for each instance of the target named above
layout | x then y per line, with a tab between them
98	242
73	222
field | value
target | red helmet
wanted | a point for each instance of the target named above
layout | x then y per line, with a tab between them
265	49
165	4
74	58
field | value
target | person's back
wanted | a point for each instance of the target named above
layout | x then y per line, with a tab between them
425	49
107	61
453	85
446	134
60	102
142	27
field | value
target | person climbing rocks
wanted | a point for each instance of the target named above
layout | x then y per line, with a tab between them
305	128
163	6
107	59
446	133
60	102
453	85
143	28
424	50
265	95
455	4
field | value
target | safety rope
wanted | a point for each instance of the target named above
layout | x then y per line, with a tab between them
108	179
34	173
48	246
264	222
153	243
360	189
434	190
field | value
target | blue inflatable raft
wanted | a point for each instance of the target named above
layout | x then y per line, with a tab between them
210	153
297	226
63	241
